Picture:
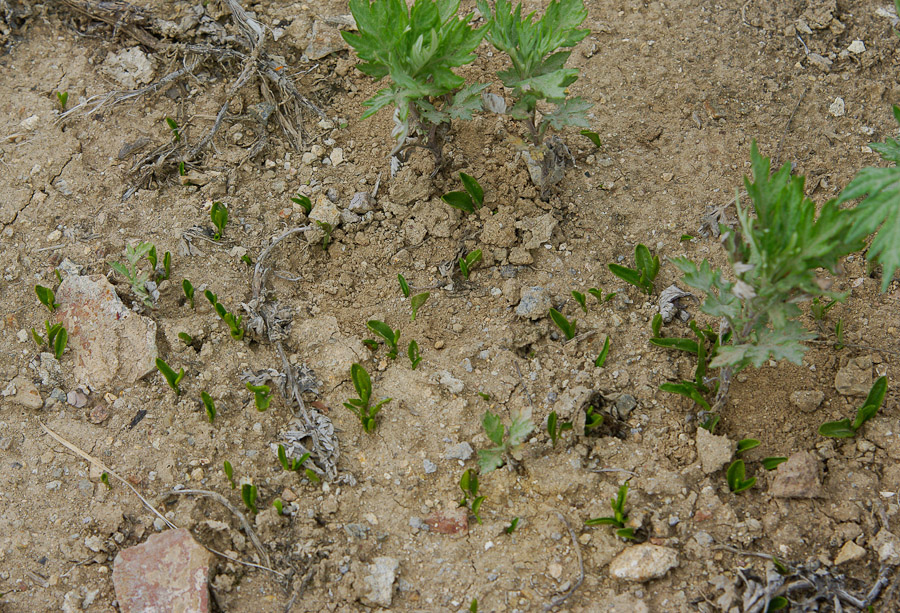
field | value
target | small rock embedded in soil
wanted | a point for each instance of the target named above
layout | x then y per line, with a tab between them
168	572
797	478
887	546
714	451
837	107
855	378
449	521
534	303
382	575
849	552
460	451
807	400
643	562
429	466
24	393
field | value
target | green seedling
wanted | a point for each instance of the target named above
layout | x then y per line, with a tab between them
619	517
493	458
249	494
371	343
554	428
182	172
746	445
186	338
167	264
469	200
213	299
604	353
772	463
246	259
229	474
292	465
234	325
413	353
705	348
136	277
473	606
418	48
656	325
567	327
173	125
819	308
219	216
47	297
580	299
152	257
312	476
404	286
416	303
593	419
170	375
261	395
735	476
63	99
643	276
537	73
209	405
466	263
780	603
104	478
839	334
709	424
327	229
391	337
304	202
512	526
593	137
279	506
188	291
598	294
57	337
685	238
59	343
468	483
847	429
486	397
360	406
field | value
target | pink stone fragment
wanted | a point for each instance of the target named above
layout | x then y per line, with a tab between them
455	521
168	572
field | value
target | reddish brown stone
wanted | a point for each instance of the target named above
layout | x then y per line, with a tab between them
454	521
168	572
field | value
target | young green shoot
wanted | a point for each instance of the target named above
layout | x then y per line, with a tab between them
567	327
416	303
404	286
604	353
229	474
136	277
466	263
467	201
735	475
647	268
554	428
279	506
619	517
771	463
847	429
246	259
57	337
292	464
819	308
839	334
327	229
304	202
104	478
261	395
656	326
468	483
705	348
508	444
413	353
580	299
63	99
593	419
249	494
746	445
172	378
209	405
186	338
598	294
512	526
47	297
59	342
593	137
360	406
173	126
219	216
709	424
391	337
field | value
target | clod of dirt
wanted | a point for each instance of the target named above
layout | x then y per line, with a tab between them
538	230
855	378
534	303
714	451
797	478
24	393
130	67
643	562
167	572
887	545
807	400
380	581
326	39
460	451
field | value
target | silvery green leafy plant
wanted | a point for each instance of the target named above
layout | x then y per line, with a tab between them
418	48
506	440
136	276
537	74
361	406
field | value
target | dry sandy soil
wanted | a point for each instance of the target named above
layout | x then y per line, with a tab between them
680	88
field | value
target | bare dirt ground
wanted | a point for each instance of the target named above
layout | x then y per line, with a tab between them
679	88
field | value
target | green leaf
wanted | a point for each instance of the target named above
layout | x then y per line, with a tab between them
473	188
59	343
876	395
465	102
571	112
551	426
459	200
490	459
493	427
687	389
593	137
361	382
567	327
209	405
656	326
46	296
735	477
416	303
601	359
746	445
580	299
772	463
684	344
384	331
404	286
627	274
602	521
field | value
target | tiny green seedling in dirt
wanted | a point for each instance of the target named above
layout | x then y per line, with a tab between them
229	473
413	353
737	482
188	291
746	445
466	263
173	126
839	334
619	517
710	421
598	294
360	406
279	506
292	464
644	275
567	327
554	428
231	320
47	297
209	405
219	216
604	353
160	275
469	200
404	286
819	308
327	229
391	337
172	378
771	463
57	337
211	297
136	277
246	259
371	343
249	494
581	300
473	606
104	478
705	348
593	137
63	99
416	302
593	419
186	338
468	483
304	202
262	395
512	526
847	429
493	458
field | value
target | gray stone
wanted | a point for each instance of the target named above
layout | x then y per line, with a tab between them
819	61
449	382
382	575
797	478
625	404
325	40
429	466
887	546
362	202
714	451
643	562
461	451
130	67
24	393
807	400
855	378
534	303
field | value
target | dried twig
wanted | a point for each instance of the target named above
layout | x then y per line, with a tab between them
561	599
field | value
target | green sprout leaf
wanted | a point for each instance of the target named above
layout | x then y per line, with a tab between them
173	125
459	200
735	476
746	445
466	263
580	299
229	473
593	137
416	303
567	327
771	463
63	98
512	526
391	337
171	377
219	216
209	405
473	188
601	359
404	286
304	202
261	395
249	494
59	342
844	428
47	297
412	351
